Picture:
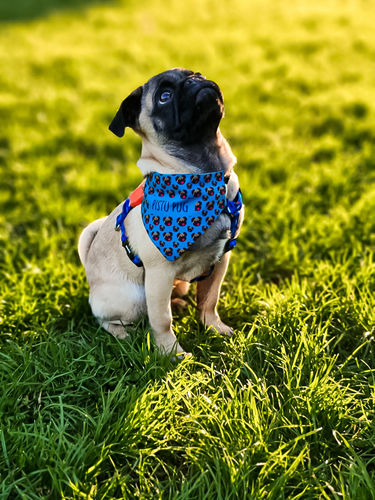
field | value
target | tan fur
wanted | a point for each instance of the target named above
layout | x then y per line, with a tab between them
119	291
87	237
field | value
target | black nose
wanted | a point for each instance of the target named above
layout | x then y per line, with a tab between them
194	85
193	82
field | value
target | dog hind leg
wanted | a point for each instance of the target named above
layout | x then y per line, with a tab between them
116	328
208	291
116	305
180	288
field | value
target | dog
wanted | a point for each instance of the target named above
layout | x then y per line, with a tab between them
177	114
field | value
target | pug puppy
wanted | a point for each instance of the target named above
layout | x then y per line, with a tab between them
177	115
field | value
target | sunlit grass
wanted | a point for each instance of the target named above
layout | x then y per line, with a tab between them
285	408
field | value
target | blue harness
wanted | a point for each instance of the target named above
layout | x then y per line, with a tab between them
178	208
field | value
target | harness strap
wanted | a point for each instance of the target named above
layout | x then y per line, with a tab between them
232	209
203	276
126	208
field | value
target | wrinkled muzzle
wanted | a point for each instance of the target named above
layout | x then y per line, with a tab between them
200	109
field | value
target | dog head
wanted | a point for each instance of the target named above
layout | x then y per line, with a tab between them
177	106
177	114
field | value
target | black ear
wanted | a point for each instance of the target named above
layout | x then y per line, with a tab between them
127	115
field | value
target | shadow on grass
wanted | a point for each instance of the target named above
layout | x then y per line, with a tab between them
20	10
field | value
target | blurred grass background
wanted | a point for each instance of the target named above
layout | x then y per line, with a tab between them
285	408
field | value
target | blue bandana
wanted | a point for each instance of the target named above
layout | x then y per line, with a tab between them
178	208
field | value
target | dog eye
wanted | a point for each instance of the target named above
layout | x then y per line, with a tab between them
165	96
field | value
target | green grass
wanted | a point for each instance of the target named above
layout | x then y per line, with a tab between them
285	408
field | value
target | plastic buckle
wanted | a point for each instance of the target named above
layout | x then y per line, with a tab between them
134	258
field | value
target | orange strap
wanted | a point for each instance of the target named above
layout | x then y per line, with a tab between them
136	196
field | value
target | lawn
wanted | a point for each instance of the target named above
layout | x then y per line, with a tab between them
285	408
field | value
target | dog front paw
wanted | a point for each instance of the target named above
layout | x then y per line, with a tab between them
215	323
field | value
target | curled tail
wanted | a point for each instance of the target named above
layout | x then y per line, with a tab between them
87	237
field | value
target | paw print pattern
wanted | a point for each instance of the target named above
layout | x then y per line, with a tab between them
178	208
